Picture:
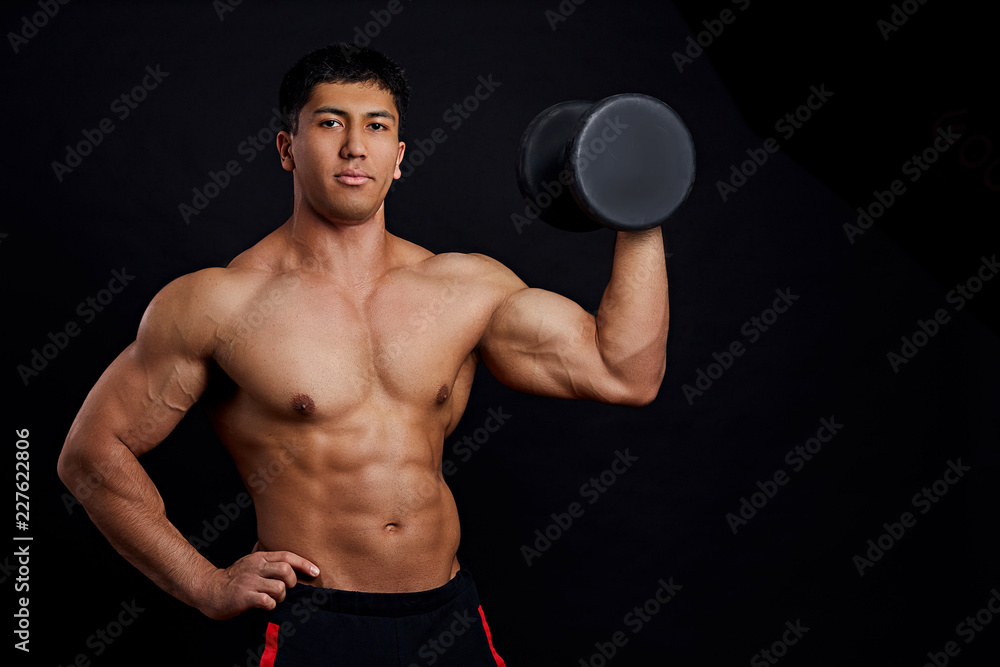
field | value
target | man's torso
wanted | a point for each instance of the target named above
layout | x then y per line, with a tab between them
334	403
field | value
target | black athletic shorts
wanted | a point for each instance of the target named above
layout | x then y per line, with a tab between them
443	627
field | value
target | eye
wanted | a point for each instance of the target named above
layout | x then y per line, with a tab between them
326	123
378	127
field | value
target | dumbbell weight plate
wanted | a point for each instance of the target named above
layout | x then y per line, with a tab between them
541	158
633	162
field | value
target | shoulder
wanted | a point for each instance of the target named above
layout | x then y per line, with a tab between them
471	265
191	309
476	269
207	289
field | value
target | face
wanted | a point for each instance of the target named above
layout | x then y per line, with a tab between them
345	152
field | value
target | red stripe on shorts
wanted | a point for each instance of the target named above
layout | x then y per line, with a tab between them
489	638
270	646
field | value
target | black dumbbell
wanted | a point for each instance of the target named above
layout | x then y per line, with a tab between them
626	162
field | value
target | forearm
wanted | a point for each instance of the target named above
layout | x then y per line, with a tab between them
124	504
634	314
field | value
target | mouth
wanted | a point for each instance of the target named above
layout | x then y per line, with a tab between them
353	177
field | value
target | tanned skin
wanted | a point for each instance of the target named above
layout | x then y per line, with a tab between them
342	356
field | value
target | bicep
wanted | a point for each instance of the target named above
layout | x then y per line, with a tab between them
148	388
140	398
543	343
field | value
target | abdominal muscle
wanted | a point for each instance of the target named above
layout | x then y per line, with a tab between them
367	504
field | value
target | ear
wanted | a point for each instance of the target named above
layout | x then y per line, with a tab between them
399	160
284	143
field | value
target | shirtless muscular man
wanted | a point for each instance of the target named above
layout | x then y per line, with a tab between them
339	370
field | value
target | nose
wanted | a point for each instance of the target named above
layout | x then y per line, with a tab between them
354	142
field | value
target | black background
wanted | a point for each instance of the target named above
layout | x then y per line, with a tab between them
666	516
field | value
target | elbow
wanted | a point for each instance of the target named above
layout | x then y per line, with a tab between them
641	389
75	462
68	465
634	379
638	392
78	472
640	395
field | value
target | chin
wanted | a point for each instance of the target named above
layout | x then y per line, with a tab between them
347	210
342	216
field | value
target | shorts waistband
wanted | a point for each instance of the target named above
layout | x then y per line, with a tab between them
361	603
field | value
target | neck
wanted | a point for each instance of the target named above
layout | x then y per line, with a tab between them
352	255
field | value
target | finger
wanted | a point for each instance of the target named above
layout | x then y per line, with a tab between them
262	601
295	560
256	547
274	588
281	571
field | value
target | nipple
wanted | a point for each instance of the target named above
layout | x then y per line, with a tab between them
303	404
442	394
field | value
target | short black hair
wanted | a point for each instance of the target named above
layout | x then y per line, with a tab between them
340	63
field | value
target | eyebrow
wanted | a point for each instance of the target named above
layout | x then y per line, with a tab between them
377	113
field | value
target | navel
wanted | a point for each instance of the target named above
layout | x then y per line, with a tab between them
303	404
442	394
